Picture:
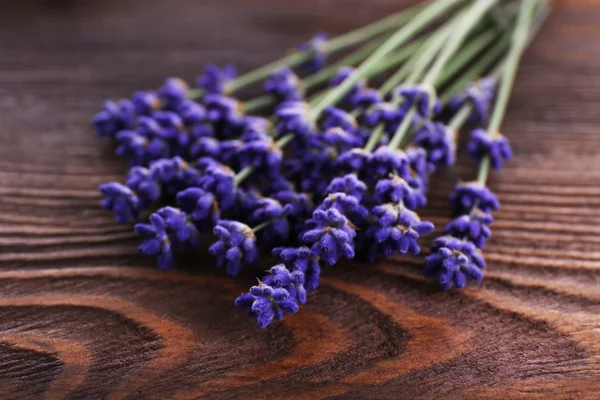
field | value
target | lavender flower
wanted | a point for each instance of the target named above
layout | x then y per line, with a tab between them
201	206
479	95
453	261
139	149
366	98
331	235
300	259
496	147
145	103
219	180
121	200
397	230
217	80
115	116
347	205
173	92
265	210
348	184
390	115
292	281
226	114
395	190
473	227
470	195
236	244
341	75
353	160
263	155
317	47
266	304
386	161
294	117
146	187
284	85
169	229
421	96
438	140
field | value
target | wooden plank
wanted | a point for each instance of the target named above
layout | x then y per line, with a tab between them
82	316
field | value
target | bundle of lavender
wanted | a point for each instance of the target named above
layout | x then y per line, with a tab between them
339	168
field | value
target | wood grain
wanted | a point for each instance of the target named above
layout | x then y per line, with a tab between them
82	316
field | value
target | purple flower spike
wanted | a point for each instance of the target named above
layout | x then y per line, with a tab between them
331	236
145	103
480	95
265	210
201	206
156	241
147	188
366	98
294	117
341	75
169	229
348	184
482	144
264	155
386	161
317	46
422	97
397	230
192	113
217	80
115	116
284	85
395	190
236	244
121	200
300	259
388	114
226	113
452	262
139	149
353	160
341	138
347	205
220	181
298	204
173	92
470	195
473	227
265	304
280	277
336	117
438	140
206	147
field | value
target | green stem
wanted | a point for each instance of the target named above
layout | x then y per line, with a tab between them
427	54
263	225
463	27
471	18
459	119
431	12
351	59
332	46
388	63
374	138
519	42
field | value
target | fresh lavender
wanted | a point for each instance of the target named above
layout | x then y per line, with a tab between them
334	172
457	257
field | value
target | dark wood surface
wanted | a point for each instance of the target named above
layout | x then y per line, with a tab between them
83	316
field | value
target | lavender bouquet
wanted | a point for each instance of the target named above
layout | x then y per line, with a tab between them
322	165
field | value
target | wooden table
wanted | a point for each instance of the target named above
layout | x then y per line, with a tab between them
83	316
